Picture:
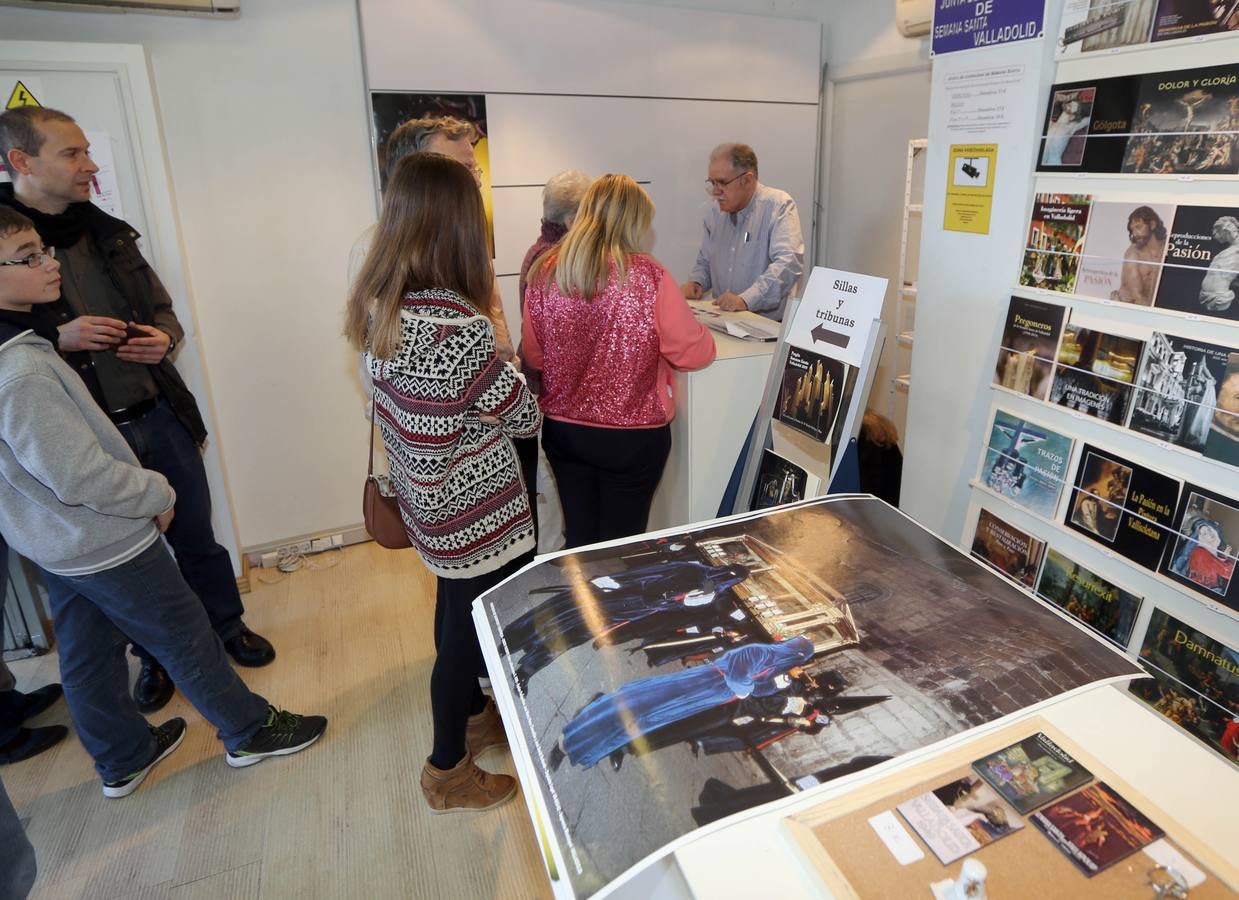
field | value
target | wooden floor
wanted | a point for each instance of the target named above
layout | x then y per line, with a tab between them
343	819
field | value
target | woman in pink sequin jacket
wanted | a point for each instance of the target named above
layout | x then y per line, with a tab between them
608	326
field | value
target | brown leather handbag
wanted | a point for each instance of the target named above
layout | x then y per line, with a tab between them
379	508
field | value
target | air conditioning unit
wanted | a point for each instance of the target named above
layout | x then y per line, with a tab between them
224	8
914	18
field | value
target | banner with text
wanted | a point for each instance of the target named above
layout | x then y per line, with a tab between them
837	313
969	24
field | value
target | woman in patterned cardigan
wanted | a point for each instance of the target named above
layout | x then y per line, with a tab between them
448	408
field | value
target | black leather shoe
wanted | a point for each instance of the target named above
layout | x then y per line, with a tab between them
40	700
31	742
249	649
153	689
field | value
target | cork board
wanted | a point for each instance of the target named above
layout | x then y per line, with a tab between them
854	863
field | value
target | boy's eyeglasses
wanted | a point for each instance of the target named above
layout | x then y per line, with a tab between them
34	260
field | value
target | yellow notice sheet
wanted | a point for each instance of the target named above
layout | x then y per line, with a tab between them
970	188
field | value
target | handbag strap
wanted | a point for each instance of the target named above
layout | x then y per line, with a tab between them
370	465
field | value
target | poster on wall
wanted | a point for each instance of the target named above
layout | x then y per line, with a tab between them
1195	682
1029	346
1005	548
1026	463
1222	444
1204	549
1195	18
1201	274
1055	235
1098	603
1125	507
393	108
1180	122
1177	390
1089	25
104	188
1124	250
820	640
984	23
1087	124
1186	122
1095	373
970	187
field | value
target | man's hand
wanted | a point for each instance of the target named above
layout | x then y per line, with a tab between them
90	333
149	350
730	302
164	519
692	290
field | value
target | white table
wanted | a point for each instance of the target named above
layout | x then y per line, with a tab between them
756	856
713	411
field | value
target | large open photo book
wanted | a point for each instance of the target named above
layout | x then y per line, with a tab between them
659	685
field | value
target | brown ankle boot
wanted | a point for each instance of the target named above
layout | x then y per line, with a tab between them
465	787
485	730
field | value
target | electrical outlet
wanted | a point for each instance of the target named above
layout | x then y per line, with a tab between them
270	558
318	545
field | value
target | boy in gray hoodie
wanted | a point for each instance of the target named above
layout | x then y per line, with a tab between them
75	501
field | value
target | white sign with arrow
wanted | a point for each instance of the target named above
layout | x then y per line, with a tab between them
837	313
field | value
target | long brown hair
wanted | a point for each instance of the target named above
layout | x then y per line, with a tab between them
610	225
431	234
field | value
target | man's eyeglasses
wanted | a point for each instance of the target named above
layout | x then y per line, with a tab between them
716	184
34	260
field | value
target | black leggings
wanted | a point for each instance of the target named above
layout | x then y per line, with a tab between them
455	694
606	477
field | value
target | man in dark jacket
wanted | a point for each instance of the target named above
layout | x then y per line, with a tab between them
117	330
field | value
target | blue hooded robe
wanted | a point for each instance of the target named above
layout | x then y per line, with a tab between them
647	704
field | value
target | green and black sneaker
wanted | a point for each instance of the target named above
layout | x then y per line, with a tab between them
168	737
283	733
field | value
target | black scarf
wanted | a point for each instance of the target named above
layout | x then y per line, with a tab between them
62	230
13	323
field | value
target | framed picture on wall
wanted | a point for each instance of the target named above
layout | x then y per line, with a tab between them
391	109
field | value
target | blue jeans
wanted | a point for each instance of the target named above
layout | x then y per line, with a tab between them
161	443
18	871
148	601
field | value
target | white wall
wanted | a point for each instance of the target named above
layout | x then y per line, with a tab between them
266	142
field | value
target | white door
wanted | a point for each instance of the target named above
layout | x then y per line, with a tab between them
864	206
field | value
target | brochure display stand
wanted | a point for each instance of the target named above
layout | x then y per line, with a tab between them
816	390
1107	479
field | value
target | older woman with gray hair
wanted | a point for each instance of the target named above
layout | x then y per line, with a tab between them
560	199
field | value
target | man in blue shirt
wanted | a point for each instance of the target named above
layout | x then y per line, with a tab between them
752	252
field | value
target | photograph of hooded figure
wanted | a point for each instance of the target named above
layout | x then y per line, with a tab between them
644	705
599	610
805	706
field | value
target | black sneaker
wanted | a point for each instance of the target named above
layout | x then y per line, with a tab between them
283	733
168	737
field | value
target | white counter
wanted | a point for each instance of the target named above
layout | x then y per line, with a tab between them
713	411
1191	784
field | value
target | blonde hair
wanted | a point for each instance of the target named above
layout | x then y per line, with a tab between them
610	226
